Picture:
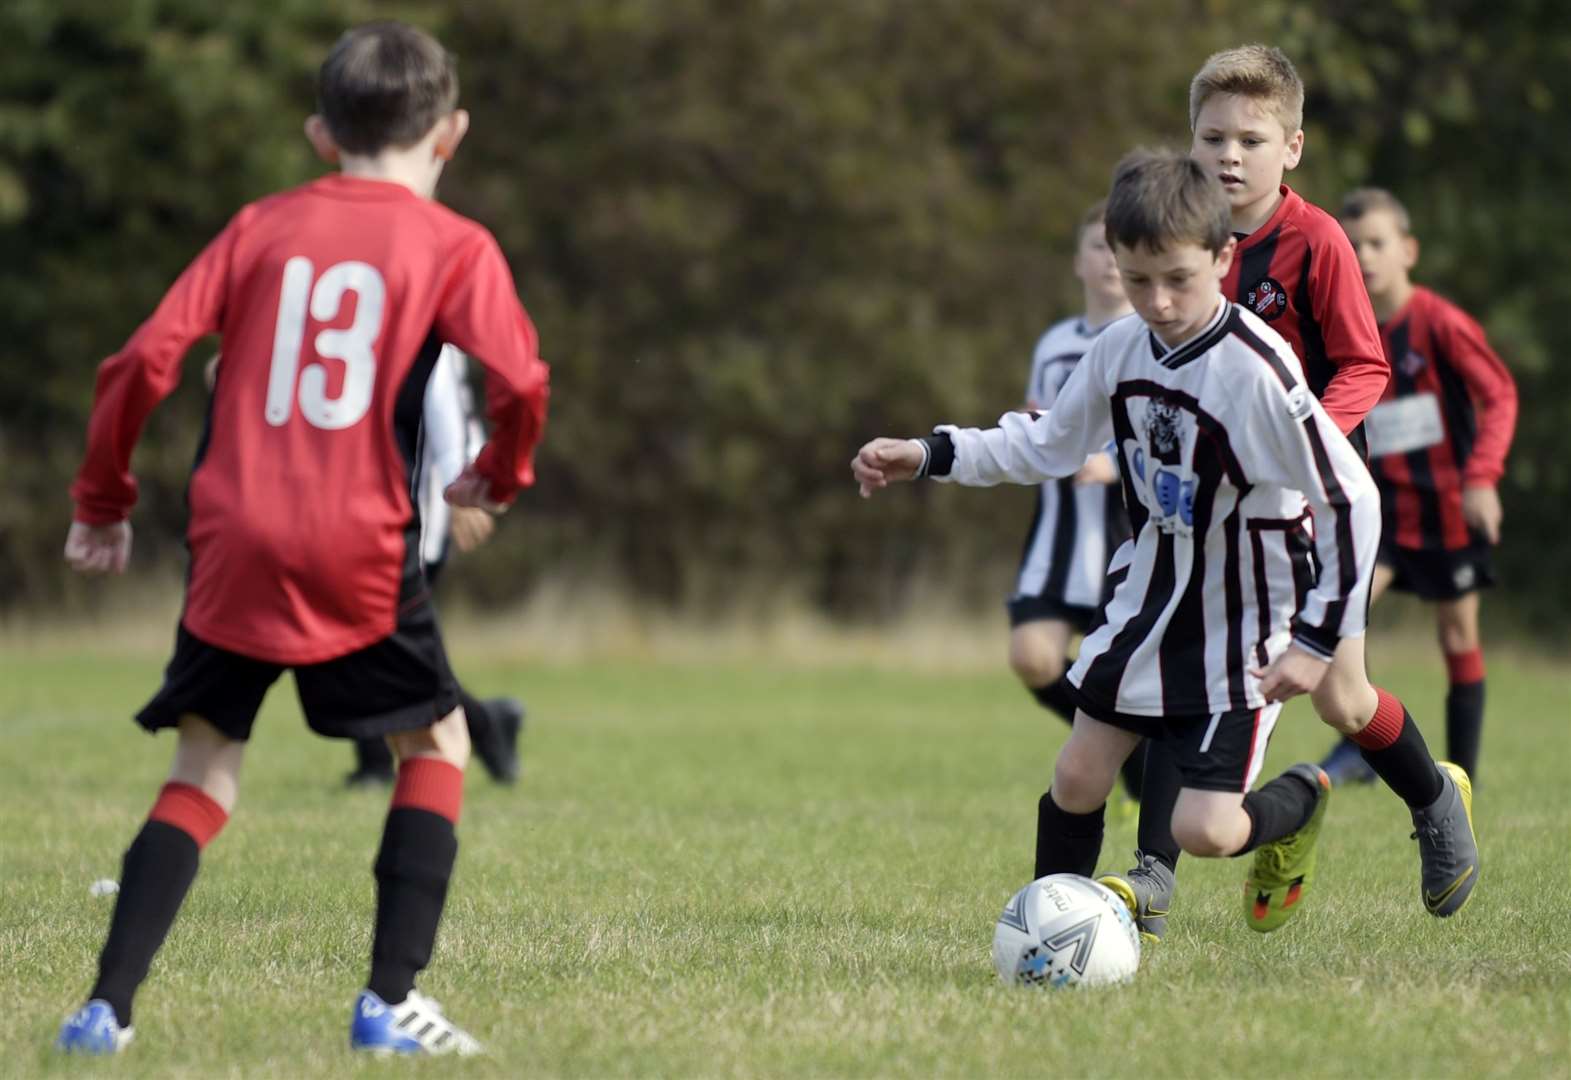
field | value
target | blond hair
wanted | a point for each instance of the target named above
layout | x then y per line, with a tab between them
1367	199
1261	72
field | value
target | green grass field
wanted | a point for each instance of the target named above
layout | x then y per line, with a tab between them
748	869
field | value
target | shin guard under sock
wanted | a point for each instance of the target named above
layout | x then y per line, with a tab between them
1465	709
1158	799
1395	749
1277	809
155	876
1066	843
413	867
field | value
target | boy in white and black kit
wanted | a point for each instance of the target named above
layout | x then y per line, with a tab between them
1218	438
1080	520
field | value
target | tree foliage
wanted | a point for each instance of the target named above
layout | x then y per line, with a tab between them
751	236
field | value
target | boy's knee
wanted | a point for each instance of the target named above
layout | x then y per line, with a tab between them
1080	785
1206	837
1456	634
1035	666
1346	708
447	739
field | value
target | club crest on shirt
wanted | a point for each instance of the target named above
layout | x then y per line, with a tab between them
1163	481
1163	427
1412	364
1266	298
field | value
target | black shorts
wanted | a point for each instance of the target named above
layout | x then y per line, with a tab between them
401	683
1220	752
1438	575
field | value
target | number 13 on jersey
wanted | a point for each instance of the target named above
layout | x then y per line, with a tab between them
353	346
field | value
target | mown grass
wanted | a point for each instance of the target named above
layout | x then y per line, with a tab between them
767	868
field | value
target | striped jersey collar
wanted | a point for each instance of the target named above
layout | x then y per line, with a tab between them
1215	330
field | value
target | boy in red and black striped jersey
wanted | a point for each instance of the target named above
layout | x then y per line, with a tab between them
1295	269
1438	441
333	300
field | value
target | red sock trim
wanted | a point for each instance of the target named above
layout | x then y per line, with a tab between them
430	784
190	809
1384	727
1465	667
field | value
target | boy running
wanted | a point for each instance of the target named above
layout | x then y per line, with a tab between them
1079	520
332	300
1217	436
1438	442
1295	271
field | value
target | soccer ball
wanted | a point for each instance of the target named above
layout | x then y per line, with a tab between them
1065	930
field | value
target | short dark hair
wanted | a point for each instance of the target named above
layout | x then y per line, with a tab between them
1364	200
385	84
1163	197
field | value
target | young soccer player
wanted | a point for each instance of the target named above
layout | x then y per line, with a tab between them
1438	442
1206	633
1295	270
451	437
1079	520
332	300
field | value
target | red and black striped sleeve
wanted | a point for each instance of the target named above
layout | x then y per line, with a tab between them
1493	390
1347	324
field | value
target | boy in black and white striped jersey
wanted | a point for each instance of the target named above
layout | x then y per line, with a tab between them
1079	521
1218	438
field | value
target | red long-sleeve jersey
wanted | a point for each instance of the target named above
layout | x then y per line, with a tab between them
333	300
1445	423
1298	272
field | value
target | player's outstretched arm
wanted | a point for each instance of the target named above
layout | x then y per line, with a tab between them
883	461
98	549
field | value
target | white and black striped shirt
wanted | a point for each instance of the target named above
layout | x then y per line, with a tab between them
1224	453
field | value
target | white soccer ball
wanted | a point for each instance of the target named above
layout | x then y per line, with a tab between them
1065	930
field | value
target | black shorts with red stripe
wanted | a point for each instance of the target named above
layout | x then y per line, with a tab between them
1438	575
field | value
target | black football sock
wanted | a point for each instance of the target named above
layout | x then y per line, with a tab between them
412	871
1055	698
1133	770
155	876
1159	798
1277	809
1465	725
1395	749
1066	843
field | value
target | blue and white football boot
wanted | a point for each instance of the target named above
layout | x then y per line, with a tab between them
414	1026
93	1029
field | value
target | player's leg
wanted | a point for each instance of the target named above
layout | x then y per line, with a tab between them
1345	763
191	808
1038	655
393	688
1439	799
1070	814
1457	626
1148	886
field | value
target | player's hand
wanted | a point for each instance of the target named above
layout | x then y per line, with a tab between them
472	489
1294	672
1098	469
98	549
1481	510
471	527
884	461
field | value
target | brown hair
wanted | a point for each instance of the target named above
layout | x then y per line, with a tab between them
1253	71
1366	199
384	85
1161	198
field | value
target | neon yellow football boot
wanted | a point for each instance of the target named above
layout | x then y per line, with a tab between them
1284	869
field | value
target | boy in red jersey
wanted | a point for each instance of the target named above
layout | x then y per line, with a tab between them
1438	442
1295	269
333	300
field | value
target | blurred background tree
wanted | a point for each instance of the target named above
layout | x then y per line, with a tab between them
752	236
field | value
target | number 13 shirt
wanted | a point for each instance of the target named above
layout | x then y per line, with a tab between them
333	300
